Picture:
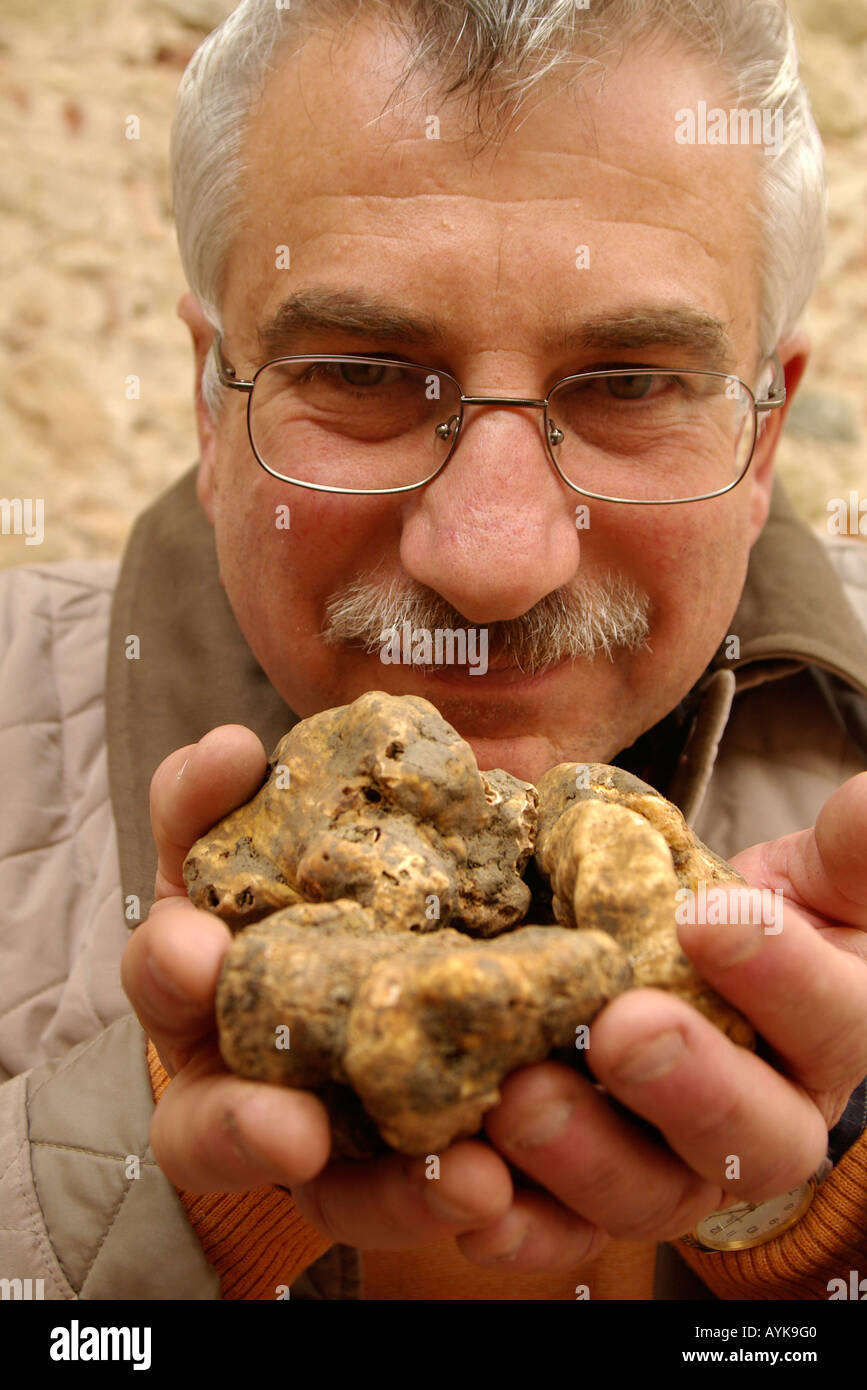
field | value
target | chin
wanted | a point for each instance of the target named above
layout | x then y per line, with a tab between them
522	724
525	758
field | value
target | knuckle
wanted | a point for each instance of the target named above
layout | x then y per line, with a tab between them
312	1200
703	1130
836	1066
598	1181
679	1205
795	1166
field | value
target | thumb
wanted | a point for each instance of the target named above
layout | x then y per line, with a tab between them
823	871
196	786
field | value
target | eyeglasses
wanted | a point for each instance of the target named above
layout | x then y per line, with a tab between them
374	425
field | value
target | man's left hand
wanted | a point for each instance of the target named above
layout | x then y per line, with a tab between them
804	988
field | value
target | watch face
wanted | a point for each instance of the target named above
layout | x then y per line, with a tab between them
753	1223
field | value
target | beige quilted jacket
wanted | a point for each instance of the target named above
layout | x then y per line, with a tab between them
81	730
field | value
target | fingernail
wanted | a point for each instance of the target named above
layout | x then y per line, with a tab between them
652	1059
510	1246
543	1125
733	943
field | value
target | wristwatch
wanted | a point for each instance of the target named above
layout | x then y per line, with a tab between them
755	1223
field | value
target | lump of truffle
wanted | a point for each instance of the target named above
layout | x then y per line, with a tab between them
375	883
380	801
616	853
423	1028
567	783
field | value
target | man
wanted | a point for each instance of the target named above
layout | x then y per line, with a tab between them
356	212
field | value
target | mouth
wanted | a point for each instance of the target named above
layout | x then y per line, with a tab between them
496	675
495	670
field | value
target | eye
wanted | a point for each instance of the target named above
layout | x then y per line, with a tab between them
368	373
633	388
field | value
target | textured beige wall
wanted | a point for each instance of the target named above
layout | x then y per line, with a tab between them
91	278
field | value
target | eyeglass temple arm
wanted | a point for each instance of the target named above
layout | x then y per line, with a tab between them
777	396
225	372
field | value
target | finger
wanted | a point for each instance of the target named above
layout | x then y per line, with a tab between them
806	998
820	869
731	1117
214	1132
169	973
391	1203
560	1131
195	787
535	1234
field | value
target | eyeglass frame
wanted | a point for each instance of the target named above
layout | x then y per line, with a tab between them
774	401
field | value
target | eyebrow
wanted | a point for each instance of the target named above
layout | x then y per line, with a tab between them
692	329
345	311
356	313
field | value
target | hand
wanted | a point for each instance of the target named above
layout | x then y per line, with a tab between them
602	1174
215	1132
804	989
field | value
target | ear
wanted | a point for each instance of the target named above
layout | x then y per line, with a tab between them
794	353
202	333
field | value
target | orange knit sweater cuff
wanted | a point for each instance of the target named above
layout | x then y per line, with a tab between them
827	1243
256	1241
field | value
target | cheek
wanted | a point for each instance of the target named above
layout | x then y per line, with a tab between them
282	546
712	571
253	526
692	561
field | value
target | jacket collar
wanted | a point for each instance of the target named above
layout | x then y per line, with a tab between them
192	668
793	610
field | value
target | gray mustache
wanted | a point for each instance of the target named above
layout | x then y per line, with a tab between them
589	618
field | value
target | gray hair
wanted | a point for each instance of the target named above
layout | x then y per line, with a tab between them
505	47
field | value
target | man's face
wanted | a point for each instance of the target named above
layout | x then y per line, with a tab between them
486	247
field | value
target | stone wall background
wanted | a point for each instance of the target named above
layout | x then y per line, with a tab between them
90	273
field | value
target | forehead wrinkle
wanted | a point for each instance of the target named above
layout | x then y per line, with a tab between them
649	212
357	311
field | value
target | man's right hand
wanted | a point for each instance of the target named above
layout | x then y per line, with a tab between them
212	1131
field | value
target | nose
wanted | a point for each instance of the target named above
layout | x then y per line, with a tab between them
495	532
